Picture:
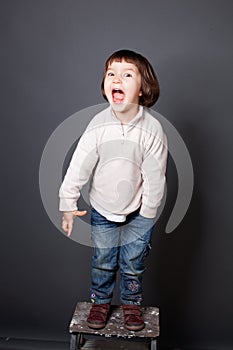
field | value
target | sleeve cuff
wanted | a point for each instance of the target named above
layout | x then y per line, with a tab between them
67	205
147	212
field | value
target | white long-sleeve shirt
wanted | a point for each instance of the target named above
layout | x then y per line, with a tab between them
128	164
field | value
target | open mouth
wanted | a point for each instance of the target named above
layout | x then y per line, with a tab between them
117	95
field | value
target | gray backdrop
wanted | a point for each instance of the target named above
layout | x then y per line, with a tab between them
52	57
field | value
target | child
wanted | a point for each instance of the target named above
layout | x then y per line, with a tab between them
125	150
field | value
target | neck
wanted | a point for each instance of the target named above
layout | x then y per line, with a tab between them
127	114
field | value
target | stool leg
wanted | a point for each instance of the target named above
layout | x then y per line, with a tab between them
80	340
73	341
153	344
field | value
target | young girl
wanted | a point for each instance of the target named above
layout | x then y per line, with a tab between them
125	150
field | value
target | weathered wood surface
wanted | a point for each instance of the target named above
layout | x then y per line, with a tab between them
115	324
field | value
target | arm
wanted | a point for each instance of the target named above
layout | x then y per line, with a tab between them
81	166
153	173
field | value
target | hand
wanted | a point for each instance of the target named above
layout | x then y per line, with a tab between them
68	220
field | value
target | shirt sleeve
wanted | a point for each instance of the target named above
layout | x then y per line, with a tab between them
81	166
153	173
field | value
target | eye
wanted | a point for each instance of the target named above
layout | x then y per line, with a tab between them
110	74
128	75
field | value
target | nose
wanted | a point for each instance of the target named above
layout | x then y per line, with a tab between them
117	79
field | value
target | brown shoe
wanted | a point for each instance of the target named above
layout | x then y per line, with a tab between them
133	317
98	316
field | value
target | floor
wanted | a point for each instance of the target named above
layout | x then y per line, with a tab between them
91	343
24	344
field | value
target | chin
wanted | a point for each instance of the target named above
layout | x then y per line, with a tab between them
123	107
119	107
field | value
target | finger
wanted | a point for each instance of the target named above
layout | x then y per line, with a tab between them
69	230
80	213
64	226
67	227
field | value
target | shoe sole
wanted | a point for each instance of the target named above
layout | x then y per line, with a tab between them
134	327
96	325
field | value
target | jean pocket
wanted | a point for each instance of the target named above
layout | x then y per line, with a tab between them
145	218
100	221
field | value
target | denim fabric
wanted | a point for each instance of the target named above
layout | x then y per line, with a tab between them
119	246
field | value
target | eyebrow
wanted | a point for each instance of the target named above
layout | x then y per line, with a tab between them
133	70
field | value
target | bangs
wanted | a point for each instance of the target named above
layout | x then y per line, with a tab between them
123	55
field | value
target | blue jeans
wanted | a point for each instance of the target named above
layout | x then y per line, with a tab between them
119	246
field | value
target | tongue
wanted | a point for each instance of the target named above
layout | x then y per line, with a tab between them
118	97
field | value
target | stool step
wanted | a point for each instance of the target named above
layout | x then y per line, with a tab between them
114	332
115	324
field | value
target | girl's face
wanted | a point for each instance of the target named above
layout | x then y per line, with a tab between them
122	84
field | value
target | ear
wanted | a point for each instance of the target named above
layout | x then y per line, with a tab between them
140	93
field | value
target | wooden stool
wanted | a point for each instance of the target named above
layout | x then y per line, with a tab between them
114	328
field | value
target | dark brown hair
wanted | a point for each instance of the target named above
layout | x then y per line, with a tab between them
150	85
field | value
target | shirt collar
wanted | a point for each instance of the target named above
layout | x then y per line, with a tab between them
134	120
